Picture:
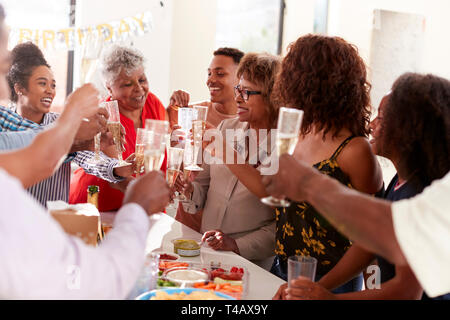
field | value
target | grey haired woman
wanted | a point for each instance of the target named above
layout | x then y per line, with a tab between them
124	75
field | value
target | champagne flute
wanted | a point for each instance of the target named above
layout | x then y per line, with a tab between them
188	162
90	54
201	113
174	160
197	137
185	117
141	135
114	127
96	159
156	141
289	122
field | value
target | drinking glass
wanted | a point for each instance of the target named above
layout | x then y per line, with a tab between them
156	142
197	137
97	159
200	113
141	135
90	54
188	158
114	127
174	160
148	276
185	117
304	266
289	122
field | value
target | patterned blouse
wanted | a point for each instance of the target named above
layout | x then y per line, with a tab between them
301	230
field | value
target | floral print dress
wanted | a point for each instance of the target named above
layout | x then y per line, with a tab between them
301	230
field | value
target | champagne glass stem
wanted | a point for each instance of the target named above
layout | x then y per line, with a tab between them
119	152
97	146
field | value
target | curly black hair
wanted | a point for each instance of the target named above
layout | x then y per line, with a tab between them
416	126
25	58
325	77
233	53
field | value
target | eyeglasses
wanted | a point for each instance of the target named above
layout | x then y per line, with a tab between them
244	93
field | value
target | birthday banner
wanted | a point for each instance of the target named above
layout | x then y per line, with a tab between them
70	38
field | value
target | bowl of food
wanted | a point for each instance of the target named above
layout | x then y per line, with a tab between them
186	276
183	294
186	247
168	256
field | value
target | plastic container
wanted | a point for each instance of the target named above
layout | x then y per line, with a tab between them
186	247
186	276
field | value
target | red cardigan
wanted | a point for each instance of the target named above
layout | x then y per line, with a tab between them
111	199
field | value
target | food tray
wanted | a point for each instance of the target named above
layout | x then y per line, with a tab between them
171	291
227	279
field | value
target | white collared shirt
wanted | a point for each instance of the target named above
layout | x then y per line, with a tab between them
38	260
422	228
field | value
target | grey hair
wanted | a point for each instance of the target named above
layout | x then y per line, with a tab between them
118	58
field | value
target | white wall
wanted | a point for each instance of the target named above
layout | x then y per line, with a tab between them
156	45
192	46
298	20
353	20
178	49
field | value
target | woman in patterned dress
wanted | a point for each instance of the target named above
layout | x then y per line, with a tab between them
326	78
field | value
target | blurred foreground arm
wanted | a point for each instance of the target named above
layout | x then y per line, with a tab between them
49	148
77	270
364	219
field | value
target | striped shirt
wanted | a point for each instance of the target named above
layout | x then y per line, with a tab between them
57	186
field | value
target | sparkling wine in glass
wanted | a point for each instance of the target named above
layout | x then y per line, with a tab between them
174	160
201	113
289	123
114	127
156	141
141	134
188	164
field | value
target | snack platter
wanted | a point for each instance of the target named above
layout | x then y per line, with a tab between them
226	279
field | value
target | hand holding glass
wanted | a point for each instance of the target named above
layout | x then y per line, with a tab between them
97	140
301	266
288	129
114	127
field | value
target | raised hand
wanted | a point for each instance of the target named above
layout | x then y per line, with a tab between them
218	240
150	191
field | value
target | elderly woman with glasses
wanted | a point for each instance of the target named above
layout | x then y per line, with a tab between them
233	218
124	75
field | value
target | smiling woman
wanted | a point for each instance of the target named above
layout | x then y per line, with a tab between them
123	71
31	82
